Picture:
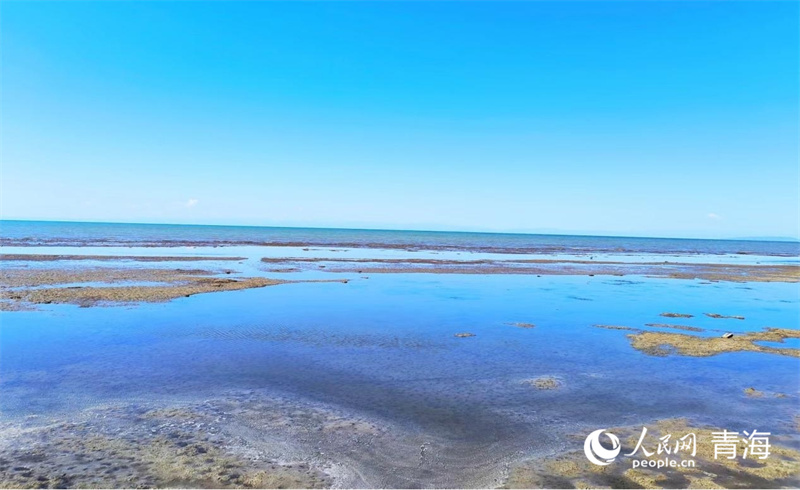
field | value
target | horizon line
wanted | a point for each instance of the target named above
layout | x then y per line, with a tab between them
582	234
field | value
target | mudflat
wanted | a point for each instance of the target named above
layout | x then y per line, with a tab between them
548	267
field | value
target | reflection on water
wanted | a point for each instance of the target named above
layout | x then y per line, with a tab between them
383	349
394	332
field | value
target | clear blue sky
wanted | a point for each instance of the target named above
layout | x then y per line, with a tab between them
635	118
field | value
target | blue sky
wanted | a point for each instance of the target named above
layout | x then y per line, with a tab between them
632	118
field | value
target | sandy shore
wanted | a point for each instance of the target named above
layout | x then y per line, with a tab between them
241	440
22	288
29	277
254	440
140	447
135	258
96	295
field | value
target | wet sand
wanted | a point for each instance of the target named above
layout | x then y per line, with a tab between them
28	277
96	295
544	267
135	258
242	440
265	440
137	447
21	288
533	245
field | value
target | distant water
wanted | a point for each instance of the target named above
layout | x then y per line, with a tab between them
52	233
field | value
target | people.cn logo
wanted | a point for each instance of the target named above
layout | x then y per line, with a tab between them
595	451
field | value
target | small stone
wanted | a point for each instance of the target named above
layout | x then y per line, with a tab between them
727	335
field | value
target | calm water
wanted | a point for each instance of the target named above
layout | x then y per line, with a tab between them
383	347
31	233
371	344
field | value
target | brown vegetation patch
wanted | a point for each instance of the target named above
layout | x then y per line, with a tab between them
718	316
135	258
543	383
25	277
677	315
708	272
677	327
617	327
21	288
753	393
92	296
662	343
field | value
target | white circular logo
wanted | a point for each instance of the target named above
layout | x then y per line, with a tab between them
596	453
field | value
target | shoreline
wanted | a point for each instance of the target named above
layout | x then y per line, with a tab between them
253	439
402	246
548	267
21	289
297	433
135	258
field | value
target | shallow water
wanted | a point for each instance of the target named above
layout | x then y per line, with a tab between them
383	349
791	343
